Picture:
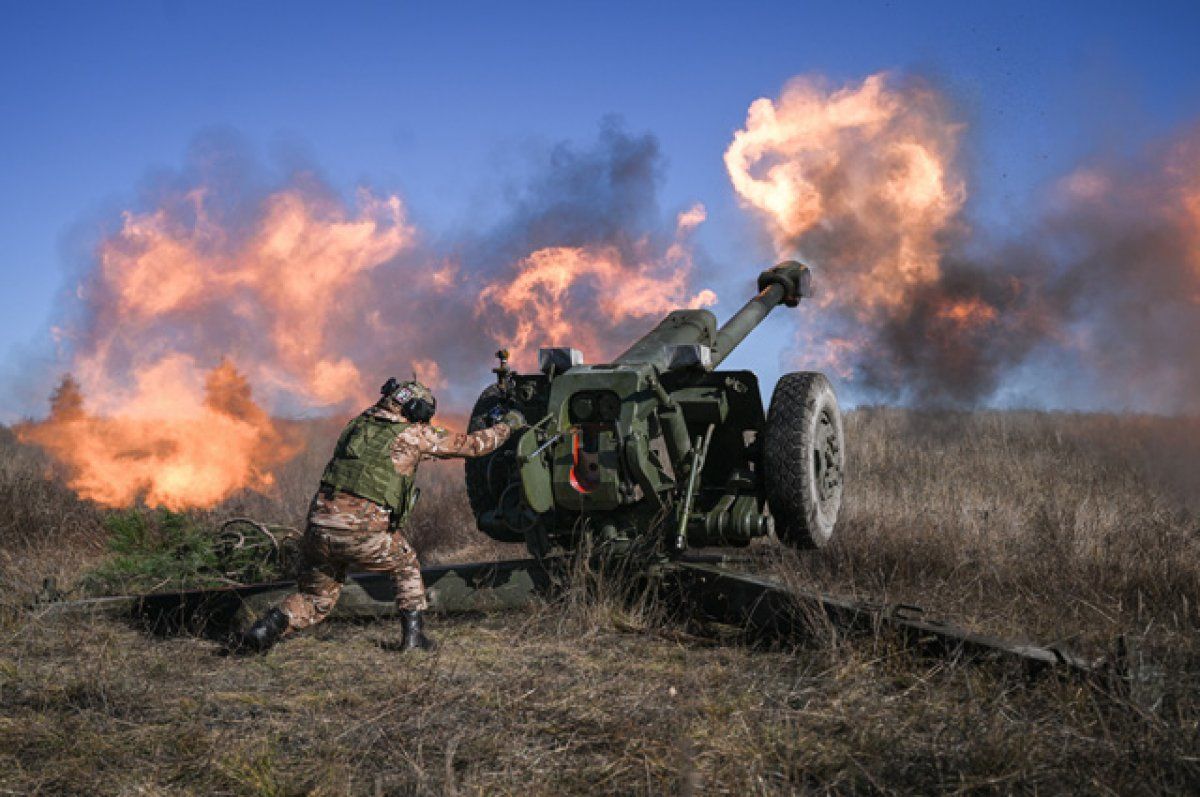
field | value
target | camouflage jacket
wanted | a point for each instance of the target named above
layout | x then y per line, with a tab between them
335	509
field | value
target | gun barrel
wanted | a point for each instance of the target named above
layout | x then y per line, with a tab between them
785	283
679	328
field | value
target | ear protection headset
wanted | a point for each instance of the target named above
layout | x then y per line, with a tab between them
416	401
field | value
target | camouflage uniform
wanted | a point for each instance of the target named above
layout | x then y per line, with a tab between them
348	532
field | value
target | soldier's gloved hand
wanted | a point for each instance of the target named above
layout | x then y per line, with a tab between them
512	418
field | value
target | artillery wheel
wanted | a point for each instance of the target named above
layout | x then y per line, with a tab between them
489	476
804	459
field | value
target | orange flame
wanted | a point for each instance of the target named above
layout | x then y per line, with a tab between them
178	441
286	283
579	296
187	312
870	164
966	314
150	417
863	181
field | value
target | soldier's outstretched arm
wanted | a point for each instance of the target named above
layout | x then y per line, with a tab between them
444	444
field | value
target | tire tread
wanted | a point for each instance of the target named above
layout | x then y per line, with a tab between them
787	459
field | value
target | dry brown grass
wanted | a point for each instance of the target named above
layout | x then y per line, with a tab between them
1056	526
1048	526
45	531
552	703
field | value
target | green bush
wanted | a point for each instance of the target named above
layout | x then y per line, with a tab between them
151	550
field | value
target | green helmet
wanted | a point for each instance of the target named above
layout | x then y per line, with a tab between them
416	401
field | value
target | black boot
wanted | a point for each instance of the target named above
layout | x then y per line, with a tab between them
266	631
414	632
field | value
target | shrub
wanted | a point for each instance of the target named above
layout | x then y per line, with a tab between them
150	550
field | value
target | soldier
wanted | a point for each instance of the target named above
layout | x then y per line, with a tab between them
356	519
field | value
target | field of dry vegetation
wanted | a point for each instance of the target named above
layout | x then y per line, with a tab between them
1064	528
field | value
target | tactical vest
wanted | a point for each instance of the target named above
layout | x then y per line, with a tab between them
362	465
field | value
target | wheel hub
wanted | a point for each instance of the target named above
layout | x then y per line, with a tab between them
827	459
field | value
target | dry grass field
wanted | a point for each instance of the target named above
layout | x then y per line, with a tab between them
1055	527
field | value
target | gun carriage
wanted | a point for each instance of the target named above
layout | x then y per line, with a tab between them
660	449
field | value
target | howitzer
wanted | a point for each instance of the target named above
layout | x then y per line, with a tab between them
661	450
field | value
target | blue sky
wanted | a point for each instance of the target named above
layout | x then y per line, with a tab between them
431	99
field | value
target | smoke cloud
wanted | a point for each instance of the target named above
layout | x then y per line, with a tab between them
228	299
865	183
587	258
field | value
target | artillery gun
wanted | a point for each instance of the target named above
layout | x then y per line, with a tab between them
653	453
659	450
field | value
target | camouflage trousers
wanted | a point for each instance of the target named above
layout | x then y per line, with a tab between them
327	555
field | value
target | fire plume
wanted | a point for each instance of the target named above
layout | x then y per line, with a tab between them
1102	289
219	307
863	181
280	288
861	177
185	313
582	296
182	439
